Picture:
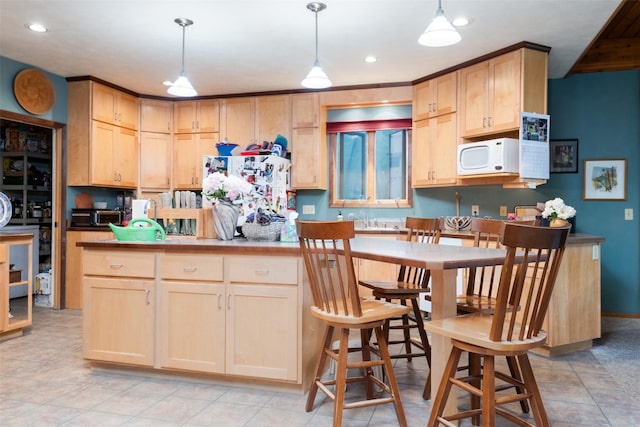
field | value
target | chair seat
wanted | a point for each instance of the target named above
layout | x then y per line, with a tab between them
474	329
372	311
405	289
473	303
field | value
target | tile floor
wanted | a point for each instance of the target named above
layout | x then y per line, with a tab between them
45	382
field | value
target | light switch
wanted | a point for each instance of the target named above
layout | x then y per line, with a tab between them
309	209
628	214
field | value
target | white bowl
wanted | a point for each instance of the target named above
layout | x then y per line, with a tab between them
100	205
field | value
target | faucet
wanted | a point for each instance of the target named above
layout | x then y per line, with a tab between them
362	217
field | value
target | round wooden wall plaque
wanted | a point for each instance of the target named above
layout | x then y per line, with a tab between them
34	91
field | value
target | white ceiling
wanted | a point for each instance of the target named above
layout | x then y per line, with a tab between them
245	46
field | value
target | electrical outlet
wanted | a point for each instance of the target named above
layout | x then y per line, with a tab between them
475	210
503	211
309	209
628	214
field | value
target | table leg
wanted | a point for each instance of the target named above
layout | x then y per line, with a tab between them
443	305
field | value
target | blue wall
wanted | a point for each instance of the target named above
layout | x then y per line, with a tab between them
8	70
601	110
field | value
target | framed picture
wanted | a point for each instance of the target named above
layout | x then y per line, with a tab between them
291	200
563	155
605	179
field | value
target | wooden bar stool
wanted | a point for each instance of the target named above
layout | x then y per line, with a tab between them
411	283
327	258
513	328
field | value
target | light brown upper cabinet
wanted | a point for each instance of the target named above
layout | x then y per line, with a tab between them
435	97
305	110
434	146
99	152
155	115
113	106
155	161
196	116
493	93
237	120
273	117
188	152
307	146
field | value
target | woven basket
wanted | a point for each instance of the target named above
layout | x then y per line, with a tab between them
264	233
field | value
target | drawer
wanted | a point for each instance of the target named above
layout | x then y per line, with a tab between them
190	266
118	264
263	269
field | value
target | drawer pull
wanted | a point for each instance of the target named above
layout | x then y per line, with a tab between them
261	272
219	301
229	302
116	266
190	269
147	296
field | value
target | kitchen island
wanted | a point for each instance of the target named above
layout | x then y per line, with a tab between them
234	310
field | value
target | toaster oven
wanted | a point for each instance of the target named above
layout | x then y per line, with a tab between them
95	217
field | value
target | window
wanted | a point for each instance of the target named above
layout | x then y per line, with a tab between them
370	162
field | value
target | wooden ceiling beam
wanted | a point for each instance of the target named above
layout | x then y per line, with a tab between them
610	55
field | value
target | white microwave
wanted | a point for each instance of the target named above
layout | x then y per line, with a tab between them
493	156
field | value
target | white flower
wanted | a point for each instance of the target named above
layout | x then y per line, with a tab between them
219	186
556	208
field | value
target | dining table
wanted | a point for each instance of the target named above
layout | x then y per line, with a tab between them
443	261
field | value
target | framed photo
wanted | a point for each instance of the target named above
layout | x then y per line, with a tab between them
291	200
563	155
605	179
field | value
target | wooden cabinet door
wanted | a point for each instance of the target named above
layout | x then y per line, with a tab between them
308	159
420	152
125	158
155	116
208	115
474	99
267	348
184	153
505	92
127	111
188	151
184	117
273	117
155	160
237	120
443	150
73	271
191	326
305	110
103	103
103	140
124	336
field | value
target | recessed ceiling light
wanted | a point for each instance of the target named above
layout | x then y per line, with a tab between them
167	83
38	28
370	59
461	21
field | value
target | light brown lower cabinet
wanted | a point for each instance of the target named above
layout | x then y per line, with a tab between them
233	315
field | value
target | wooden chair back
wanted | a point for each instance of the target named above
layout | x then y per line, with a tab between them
526	286
327	257
423	230
483	281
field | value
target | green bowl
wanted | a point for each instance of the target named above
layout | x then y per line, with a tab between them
131	233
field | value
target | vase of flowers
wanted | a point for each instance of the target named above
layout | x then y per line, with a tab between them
557	212
223	191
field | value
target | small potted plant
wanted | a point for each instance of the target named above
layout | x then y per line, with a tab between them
222	191
557	212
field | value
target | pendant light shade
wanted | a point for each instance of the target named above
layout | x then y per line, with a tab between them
440	32
182	86
316	79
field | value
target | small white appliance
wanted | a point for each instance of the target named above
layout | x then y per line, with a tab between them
488	157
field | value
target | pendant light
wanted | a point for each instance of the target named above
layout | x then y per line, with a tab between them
316	79
440	32
182	86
